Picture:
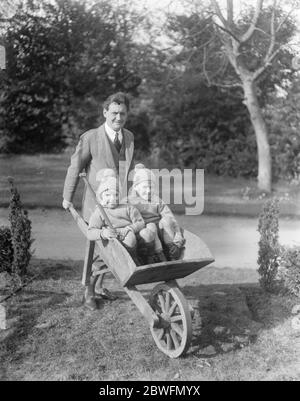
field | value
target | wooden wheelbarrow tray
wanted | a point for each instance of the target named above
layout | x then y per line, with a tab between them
167	312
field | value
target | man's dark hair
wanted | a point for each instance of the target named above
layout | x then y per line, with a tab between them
119	98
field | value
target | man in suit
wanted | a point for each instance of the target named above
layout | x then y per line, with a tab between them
108	146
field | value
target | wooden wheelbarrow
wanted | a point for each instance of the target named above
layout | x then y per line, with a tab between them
167	312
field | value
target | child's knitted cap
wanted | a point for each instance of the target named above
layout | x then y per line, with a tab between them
108	180
141	173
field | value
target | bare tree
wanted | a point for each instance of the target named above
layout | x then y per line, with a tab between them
247	74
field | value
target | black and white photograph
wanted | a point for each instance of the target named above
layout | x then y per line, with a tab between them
149	193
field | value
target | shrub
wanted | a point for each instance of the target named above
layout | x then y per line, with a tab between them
6	250
20	234
289	270
269	248
139	123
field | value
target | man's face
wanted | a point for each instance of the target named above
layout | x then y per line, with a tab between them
116	116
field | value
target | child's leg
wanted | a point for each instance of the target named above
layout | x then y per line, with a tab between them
130	240
167	227
130	244
153	245
168	230
151	227
147	234
146	244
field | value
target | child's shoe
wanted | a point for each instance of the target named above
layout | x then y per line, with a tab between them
135	257
143	255
105	294
159	257
172	251
145	252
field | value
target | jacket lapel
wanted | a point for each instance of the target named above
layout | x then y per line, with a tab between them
128	150
105	148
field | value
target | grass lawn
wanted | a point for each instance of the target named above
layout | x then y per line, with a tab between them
40	180
239	333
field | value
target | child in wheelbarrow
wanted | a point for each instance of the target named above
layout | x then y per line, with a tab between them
169	241
125	218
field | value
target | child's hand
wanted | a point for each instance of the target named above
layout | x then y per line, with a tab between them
108	233
179	240
122	232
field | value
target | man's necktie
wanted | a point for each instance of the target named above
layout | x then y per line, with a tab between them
117	143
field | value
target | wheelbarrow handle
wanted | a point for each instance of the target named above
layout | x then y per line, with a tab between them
102	211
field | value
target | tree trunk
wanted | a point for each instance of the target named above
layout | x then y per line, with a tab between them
261	133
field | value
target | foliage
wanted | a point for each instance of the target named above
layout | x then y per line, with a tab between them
289	270
269	248
139	123
203	53
66	56
205	128
63	59
6	250
283	119
203	125
20	234
210	128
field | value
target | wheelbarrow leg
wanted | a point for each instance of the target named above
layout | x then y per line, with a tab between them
88	262
144	307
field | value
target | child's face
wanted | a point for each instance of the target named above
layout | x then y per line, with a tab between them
109	198
144	190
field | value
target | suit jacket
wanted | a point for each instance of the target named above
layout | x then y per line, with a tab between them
92	154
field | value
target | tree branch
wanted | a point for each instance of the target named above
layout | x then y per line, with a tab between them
204	67
219	13
284	19
228	31
272	32
209	79
262	31
188	37
205	44
260	70
230	12
231	57
247	35
226	86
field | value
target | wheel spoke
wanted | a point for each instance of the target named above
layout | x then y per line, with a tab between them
163	342
169	341
176	318
174	338
162	302
160	334
167	306
177	329
171	310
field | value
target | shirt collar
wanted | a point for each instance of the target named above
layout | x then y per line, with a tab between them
111	133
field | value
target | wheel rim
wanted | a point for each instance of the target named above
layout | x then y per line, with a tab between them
174	332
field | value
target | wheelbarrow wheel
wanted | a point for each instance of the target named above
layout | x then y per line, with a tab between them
173	334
